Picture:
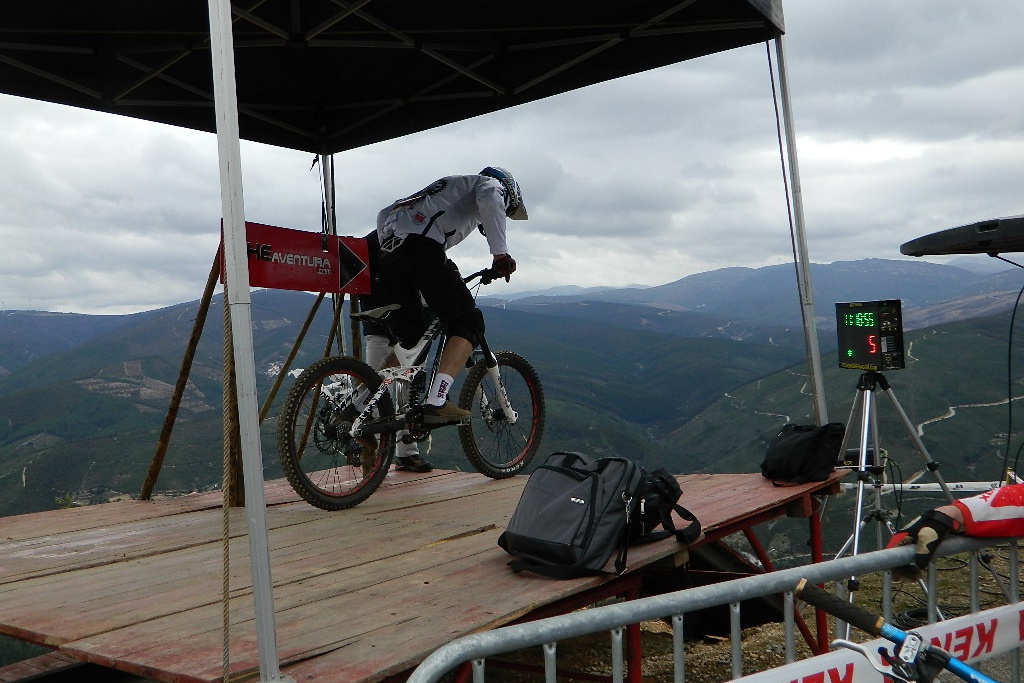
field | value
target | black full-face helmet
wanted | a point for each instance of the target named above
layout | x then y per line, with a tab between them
514	206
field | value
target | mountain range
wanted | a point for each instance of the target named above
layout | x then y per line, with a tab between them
767	297
695	375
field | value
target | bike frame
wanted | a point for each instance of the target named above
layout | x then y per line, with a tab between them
412	361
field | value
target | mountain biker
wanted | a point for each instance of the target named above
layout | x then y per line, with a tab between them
414	233
995	513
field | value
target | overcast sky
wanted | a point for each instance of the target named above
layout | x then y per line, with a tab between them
909	118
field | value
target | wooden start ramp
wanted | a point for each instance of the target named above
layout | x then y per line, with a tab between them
359	595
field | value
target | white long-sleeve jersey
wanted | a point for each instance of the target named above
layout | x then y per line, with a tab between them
446	211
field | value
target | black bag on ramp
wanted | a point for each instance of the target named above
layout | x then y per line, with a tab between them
803	453
572	515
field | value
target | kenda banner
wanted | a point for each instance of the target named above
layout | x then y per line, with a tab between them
971	639
282	258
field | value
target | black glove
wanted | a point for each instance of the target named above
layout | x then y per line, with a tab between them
926	532
503	266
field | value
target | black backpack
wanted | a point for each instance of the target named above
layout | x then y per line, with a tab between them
575	512
802	453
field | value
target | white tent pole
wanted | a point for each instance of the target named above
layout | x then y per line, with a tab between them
803	271
236	277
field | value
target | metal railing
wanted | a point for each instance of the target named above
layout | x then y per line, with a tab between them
614	618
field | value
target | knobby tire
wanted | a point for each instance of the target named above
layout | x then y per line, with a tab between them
496	447
325	465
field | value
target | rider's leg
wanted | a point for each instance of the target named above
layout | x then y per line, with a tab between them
453	359
377	350
436	277
465	330
378	355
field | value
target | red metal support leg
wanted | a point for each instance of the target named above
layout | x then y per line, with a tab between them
762	555
463	672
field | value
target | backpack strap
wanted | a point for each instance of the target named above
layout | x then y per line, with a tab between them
668	488
688	534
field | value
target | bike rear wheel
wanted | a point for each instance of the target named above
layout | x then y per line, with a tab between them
496	445
323	462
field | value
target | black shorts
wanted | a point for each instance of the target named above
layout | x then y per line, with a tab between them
420	266
374	299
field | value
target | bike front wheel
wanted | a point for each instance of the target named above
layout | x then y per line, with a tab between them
323	462
497	444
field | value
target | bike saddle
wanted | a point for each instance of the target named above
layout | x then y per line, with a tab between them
375	313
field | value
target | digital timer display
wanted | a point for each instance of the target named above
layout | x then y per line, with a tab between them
870	335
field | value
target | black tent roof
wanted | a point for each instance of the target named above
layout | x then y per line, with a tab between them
329	75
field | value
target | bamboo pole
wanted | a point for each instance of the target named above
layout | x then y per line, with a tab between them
233	489
179	387
291	357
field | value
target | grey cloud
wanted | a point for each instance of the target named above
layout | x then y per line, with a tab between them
909	117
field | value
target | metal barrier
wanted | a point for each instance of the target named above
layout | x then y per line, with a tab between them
981	635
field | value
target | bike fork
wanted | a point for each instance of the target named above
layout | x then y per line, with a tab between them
503	403
500	394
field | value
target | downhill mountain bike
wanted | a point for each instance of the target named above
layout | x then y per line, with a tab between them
913	660
338	428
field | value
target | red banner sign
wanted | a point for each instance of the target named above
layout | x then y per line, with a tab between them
281	258
353	265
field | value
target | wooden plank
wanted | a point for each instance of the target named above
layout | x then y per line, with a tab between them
301	606
37	667
145	528
309	598
54	522
457	587
133	589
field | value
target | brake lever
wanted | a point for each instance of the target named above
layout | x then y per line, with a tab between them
890	667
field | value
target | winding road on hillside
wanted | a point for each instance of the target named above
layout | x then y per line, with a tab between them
951	412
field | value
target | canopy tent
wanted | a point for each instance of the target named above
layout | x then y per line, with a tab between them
330	75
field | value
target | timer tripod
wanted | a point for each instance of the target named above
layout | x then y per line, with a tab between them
869	383
873	469
870	337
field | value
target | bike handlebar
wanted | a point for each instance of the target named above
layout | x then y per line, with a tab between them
485	275
934	660
837	607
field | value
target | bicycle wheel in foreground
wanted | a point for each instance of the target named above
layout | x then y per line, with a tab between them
324	464
496	445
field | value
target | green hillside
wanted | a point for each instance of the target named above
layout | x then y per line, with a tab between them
84	421
961	365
